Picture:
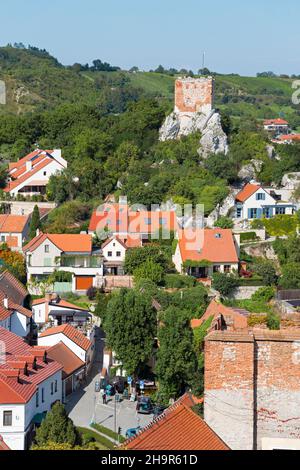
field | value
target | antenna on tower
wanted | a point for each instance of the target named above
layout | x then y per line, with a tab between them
203	60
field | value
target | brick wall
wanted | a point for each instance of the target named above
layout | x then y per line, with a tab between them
194	95
252	387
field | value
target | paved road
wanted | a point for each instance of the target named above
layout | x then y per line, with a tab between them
85	405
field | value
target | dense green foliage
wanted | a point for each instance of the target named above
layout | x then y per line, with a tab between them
176	364
57	427
224	283
130	327
35	222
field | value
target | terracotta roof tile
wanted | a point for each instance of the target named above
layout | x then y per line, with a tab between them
21	388
70	332
68	243
12	287
62	354
178	428
234	318
3	446
12	223
214	245
246	192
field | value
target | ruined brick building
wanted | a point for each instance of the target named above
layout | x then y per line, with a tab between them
252	388
194	95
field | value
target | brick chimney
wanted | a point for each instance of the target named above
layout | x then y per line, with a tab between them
5	302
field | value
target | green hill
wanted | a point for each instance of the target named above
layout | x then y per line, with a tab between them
36	81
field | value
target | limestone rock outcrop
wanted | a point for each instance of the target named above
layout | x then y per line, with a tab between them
250	171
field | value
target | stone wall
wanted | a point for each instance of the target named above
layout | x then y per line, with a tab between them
228	399
252	386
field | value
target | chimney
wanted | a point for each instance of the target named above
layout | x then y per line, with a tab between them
5	302
29	165
37	232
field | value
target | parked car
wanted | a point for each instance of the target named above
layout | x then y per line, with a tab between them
118	383
144	405
132	432
97	386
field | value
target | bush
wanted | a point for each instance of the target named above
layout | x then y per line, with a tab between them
266	269
224	283
273	321
254	320
248	236
91	293
224	222
176	281
264	294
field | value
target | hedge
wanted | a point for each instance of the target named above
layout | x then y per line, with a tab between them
98	438
248	236
176	281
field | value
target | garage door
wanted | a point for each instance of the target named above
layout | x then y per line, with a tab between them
84	282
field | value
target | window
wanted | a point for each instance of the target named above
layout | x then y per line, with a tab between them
45	173
253	213
227	268
43	395
51	388
47	248
109	253
118	253
216	268
280	210
239	212
55	388
3	238
260	196
7	418
37	398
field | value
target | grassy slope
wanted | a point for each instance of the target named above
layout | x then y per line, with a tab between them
42	82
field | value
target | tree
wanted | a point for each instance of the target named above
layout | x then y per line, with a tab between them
135	257
266	269
176	364
149	270
224	222
290	278
224	283
57	428
3	176
35	222
130	327
14	262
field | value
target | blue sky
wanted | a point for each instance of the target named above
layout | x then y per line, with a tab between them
238	36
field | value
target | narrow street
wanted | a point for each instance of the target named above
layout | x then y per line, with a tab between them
85	405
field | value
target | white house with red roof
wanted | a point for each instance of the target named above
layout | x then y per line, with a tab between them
30	383
71	253
202	252
114	251
276	126
74	339
30	175
52	308
14	230
256	202
14	316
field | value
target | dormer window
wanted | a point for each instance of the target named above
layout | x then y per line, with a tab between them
218	235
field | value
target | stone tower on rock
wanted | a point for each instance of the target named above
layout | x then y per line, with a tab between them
193	111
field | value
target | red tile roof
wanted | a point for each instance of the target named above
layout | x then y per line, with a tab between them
12	287
214	245
178	428
247	191
12	307
15	386
278	122
62	354
60	303
70	332
121	219
236	319
295	137
3	446
68	243
18	171
12	223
